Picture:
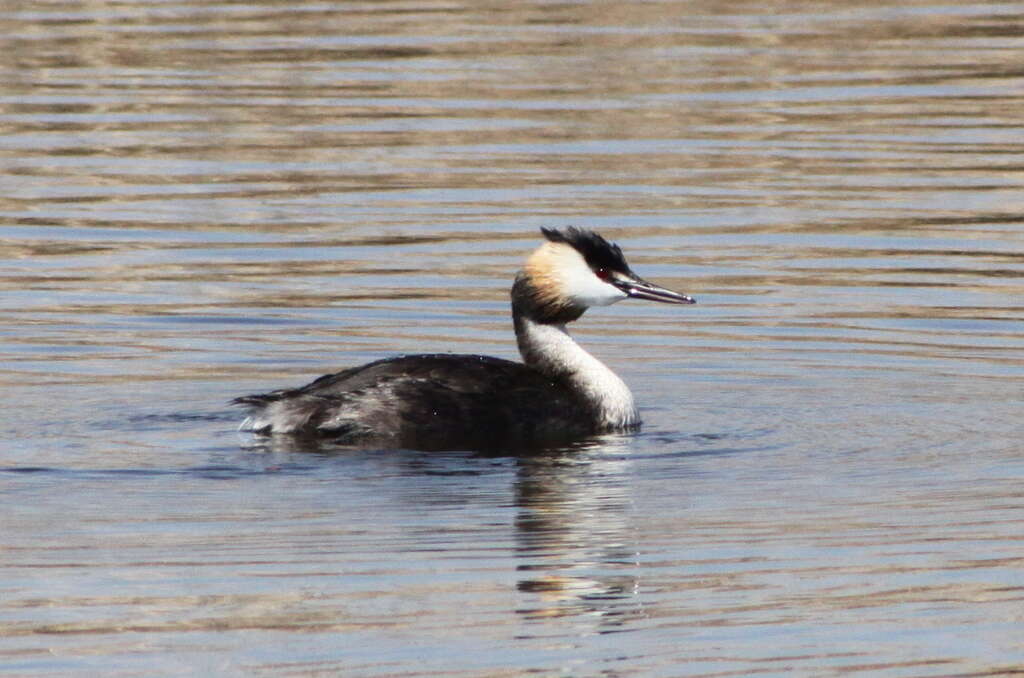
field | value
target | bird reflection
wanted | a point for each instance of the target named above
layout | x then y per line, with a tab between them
575	543
574	537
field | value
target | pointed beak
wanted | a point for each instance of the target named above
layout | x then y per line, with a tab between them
638	288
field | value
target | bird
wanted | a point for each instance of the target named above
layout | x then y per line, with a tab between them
558	394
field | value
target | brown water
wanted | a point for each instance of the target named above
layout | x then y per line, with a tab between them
202	199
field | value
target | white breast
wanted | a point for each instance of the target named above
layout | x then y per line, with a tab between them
555	352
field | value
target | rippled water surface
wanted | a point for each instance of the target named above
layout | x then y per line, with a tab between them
203	199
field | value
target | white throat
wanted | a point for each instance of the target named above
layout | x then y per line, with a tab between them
550	349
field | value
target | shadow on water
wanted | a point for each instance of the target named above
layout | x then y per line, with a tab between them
569	507
577	553
575	537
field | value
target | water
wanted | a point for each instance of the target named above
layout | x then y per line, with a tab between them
205	199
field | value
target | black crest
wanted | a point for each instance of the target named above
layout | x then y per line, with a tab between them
596	251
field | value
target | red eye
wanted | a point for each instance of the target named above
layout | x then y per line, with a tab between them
603	274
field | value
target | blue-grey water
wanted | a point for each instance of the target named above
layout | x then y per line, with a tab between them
202	199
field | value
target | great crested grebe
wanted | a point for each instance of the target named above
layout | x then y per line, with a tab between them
444	401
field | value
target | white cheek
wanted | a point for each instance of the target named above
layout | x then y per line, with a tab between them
581	285
599	294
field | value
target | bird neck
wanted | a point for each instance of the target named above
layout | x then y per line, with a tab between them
548	348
